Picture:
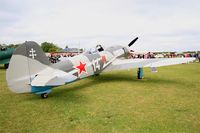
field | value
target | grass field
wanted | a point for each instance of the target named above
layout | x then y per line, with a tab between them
167	101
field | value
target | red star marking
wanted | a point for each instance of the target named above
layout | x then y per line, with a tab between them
103	58
81	67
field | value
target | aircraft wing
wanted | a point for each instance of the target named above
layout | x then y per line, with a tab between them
122	64
5	61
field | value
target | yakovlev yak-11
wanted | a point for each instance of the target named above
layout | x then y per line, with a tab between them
31	71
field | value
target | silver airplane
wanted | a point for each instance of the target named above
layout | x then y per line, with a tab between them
31	72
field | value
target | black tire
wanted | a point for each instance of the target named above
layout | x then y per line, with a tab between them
6	65
44	95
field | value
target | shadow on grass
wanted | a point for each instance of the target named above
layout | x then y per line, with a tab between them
69	91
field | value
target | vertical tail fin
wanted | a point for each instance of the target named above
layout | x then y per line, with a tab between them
27	60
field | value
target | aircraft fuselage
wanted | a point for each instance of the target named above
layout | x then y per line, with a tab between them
89	63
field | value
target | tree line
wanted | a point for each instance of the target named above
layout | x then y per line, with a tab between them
46	46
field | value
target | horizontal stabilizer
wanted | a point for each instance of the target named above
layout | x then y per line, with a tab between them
52	77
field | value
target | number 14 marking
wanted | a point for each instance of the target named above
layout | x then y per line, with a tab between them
96	65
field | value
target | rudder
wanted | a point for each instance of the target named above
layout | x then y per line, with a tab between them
27	60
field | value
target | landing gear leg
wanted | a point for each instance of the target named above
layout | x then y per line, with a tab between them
44	95
6	65
97	74
140	73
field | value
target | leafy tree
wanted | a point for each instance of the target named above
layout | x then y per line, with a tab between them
13	45
50	47
9	46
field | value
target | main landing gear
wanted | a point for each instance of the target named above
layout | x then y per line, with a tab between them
44	95
140	73
6	65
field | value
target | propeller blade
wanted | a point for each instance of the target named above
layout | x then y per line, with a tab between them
132	42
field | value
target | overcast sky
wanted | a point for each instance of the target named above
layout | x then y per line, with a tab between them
161	25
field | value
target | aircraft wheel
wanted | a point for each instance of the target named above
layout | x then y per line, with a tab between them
6	65
44	95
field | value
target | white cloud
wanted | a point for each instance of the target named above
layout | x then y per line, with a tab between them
161	25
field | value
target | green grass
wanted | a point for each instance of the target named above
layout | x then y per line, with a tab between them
167	101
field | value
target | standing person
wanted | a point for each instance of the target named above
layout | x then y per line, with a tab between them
198	54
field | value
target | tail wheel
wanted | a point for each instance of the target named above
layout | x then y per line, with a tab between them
97	74
44	95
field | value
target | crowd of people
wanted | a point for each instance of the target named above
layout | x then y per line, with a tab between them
56	57
164	55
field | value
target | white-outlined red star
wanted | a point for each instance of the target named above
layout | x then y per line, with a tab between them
103	58
81	68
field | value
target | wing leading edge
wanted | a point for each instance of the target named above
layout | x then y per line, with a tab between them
123	64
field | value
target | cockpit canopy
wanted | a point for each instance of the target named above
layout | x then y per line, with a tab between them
97	49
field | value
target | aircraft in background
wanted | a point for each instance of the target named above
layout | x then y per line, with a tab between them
5	55
31	71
